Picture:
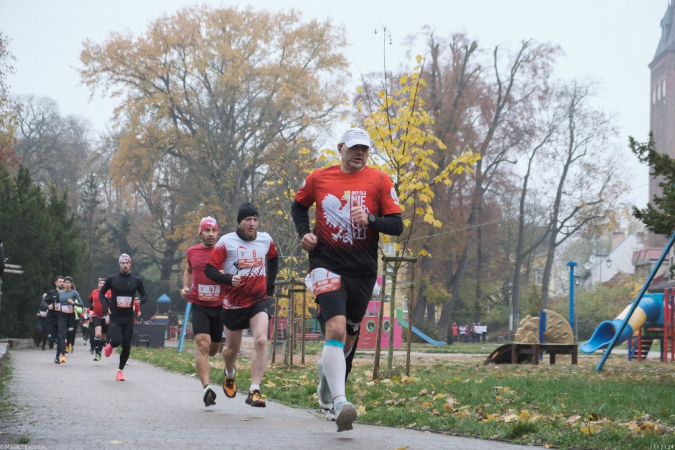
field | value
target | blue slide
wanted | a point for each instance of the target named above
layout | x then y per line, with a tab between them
404	324
649	310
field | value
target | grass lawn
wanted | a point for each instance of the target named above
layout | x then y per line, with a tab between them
625	406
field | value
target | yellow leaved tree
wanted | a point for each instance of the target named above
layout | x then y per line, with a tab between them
407	150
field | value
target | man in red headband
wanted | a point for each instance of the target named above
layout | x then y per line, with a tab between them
207	299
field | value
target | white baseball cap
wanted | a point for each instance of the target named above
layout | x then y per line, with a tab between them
356	136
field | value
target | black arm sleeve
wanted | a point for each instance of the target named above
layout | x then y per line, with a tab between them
300	214
216	275
141	290
78	300
272	271
391	224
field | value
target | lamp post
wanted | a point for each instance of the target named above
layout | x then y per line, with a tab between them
572	265
509	289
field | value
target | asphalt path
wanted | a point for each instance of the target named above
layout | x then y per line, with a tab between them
79	404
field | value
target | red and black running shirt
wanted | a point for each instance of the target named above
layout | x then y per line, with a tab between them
343	247
236	256
204	291
93	298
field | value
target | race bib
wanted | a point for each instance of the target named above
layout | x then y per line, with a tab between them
68	309
57	306
124	302
208	293
320	281
248	259
43	313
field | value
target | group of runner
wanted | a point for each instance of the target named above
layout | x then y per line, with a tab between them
229	280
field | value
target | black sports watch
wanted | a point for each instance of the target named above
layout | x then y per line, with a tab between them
371	219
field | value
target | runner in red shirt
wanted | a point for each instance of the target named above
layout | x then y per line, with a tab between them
207	303
249	263
354	203
101	321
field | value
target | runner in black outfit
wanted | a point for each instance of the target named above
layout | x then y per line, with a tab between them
42	324
123	286
50	300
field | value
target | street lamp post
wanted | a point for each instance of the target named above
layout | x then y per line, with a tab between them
509	290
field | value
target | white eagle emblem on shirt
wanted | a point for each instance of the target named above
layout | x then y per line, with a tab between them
338	215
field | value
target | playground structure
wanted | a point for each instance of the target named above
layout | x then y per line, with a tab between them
530	345
652	319
368	335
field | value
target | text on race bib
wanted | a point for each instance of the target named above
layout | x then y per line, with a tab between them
208	293
124	302
323	280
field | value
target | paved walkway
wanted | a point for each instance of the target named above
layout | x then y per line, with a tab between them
80	405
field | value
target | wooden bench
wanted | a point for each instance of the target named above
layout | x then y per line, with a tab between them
518	352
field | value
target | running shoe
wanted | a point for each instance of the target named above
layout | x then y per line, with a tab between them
345	415
56	361
120	377
330	414
97	357
63	359
209	397
255	399
323	391
69	348
229	387
108	350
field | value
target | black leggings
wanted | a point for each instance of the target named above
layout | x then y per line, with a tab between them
121	333
67	325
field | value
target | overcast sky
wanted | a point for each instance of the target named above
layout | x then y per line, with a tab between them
611	41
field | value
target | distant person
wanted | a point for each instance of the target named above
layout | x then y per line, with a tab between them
50	300
206	297
69	299
41	331
462	333
99	319
484	334
123	286
455	331
467	332
245	262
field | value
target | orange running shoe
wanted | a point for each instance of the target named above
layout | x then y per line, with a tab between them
63	359
255	399
120	376
229	387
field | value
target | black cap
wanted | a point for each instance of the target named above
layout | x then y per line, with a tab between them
246	210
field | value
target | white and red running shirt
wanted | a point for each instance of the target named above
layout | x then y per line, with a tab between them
247	259
344	247
204	291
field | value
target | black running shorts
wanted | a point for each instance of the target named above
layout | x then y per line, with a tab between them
208	320
98	322
351	301
238	319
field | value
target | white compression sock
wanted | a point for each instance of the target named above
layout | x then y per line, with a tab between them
253	387
334	368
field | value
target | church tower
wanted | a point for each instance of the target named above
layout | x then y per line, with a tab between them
662	94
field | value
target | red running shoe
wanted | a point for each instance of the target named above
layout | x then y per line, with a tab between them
108	350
